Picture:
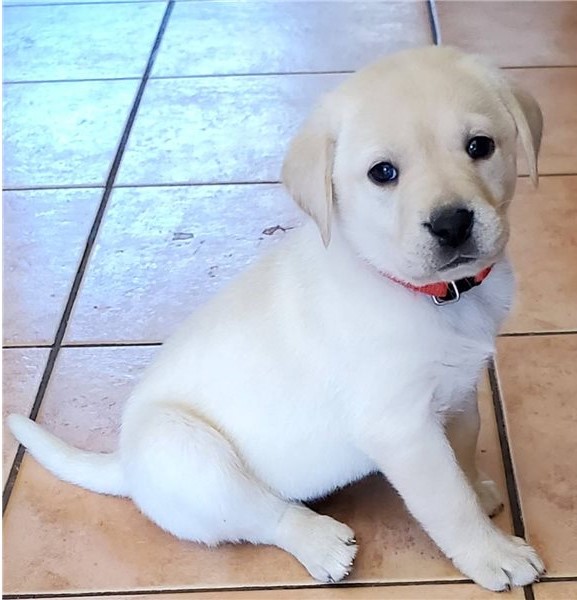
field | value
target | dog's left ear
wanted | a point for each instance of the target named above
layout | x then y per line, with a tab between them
307	170
529	122
520	105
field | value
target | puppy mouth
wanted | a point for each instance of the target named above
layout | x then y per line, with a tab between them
457	261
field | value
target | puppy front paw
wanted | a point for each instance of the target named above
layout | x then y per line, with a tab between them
489	496
502	562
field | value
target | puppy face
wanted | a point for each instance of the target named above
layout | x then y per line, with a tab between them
414	160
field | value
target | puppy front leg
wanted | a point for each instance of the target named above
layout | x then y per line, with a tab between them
462	429
418	460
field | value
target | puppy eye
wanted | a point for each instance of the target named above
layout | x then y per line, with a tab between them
480	146
383	172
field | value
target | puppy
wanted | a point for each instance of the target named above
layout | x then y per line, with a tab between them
349	352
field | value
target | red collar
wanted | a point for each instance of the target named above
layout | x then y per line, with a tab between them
444	292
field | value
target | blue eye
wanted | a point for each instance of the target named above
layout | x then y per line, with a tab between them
382	173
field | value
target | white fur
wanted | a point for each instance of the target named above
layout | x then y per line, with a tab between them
313	369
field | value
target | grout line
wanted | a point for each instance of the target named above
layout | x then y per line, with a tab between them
81	186
250	588
262	74
27	347
170	77
120	344
435	35
86	254
14	470
154	592
81	3
112	344
512	490
145	185
42	4
516	67
64	186
139	344
78	80
537	333
434	21
525	176
196	184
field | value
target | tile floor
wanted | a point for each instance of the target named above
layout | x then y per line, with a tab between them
138	135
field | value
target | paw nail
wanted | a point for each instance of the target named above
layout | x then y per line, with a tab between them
351	542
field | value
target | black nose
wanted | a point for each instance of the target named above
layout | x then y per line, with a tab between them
451	225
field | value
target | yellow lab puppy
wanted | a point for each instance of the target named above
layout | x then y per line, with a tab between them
349	352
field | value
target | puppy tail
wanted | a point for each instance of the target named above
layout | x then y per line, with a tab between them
100	473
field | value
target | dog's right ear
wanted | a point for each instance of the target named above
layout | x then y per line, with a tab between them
308	169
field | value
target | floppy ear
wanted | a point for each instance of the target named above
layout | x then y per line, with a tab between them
529	121
521	106
308	168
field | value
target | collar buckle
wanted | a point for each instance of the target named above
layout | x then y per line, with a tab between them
453	295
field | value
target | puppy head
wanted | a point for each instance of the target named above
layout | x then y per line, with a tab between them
414	160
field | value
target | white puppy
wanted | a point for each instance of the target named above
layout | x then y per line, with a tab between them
328	361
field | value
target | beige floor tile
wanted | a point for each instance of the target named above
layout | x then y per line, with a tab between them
563	590
280	37
512	33
44	236
556	92
89	386
79	41
543	248
538	381
75	540
218	130
59	134
162	252
22	371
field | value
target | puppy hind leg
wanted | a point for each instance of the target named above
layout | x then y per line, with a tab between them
188	478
